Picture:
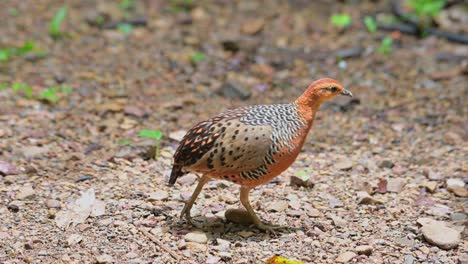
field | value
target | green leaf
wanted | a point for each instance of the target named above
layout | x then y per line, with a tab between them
4	86
56	22
341	20
304	175
13	11
153	134
386	46
370	24
28	46
197	57
125	28
18	86
127	4
124	142
65	89
5	54
429	8
49	94
28	92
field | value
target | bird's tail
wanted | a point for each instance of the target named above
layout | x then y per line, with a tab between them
175	173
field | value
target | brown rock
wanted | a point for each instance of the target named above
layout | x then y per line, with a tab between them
239	216
346	257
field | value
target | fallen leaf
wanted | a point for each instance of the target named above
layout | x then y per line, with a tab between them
80	209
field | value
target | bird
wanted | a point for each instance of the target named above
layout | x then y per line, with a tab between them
250	145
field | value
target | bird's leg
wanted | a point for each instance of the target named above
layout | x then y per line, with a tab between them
188	204
244	198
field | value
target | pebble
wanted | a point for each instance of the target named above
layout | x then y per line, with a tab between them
454	182
279	206
26	193
458	216
51	203
233	90
239	216
104	259
158	196
431	186
188	179
7	168
74	239
338	221
463	259
365	198
298	182
196	237
364	250
386	164
409	259
346	257
395	185
344	164
438	234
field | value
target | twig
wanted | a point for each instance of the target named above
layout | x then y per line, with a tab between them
160	244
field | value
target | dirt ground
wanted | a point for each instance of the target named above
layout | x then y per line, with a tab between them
375	171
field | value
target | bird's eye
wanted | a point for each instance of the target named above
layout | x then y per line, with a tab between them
334	89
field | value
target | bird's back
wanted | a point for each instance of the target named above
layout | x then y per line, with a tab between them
247	145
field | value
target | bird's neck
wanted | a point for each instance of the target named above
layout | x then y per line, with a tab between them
308	106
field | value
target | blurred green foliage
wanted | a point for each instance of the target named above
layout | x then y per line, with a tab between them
340	20
56	22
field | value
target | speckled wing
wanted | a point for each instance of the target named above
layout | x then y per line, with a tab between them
222	145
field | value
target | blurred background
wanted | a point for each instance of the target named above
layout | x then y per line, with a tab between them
88	87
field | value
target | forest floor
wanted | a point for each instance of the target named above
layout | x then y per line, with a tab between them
381	178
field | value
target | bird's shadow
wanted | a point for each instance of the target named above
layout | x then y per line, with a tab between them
225	229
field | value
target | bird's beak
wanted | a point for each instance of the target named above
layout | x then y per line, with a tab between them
347	93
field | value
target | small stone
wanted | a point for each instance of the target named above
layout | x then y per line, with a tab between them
245	234
181	245
51	203
177	135
365	198
239	216
14	206
459	191
434	176
409	259
26	193
338	221
431	186
364	250
158	196
196	237
386	164
7	168
463	259
455	183
253	27
404	242
298	182
344	164
438	234
346	257
395	185
458	216
312	212
104	259
188	179
74	239
279	206
233	90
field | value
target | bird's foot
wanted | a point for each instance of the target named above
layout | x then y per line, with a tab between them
186	212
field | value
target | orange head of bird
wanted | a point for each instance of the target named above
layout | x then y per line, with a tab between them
322	90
